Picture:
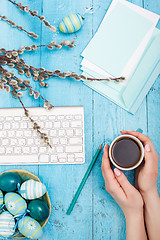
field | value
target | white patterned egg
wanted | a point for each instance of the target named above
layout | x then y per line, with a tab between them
15	204
7	224
1	197
32	189
30	228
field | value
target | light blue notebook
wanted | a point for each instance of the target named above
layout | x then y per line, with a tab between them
123	24
131	96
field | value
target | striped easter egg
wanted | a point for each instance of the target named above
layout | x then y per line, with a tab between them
7	224
1	197
71	24
30	228
15	204
32	189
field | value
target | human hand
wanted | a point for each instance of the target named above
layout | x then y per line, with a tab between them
147	173
128	197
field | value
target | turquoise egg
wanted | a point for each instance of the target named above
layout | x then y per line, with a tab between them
30	228
32	189
71	24
15	204
1	197
38	210
9	181
7	224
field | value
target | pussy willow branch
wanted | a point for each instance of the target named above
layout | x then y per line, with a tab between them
34	13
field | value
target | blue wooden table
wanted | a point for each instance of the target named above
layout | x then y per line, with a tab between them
96	215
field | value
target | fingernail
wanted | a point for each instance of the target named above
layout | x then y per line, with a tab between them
147	147
117	172
123	131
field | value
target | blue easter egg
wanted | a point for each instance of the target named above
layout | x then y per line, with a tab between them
7	224
30	228
32	189
71	24
15	204
1	197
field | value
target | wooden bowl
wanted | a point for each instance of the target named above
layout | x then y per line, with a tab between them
25	175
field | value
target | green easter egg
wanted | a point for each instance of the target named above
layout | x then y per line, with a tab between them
9	181
38	210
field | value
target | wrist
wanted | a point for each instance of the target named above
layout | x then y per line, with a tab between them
150	196
134	215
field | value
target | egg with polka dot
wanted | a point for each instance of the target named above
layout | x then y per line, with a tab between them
32	189
1	197
7	224
30	228
15	204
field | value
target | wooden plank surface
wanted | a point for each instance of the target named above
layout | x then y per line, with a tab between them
96	215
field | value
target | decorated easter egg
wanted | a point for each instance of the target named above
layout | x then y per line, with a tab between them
1	197
71	24
9	181
30	228
38	210
15	204
32	189
7	224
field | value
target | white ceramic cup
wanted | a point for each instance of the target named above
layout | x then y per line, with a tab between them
140	146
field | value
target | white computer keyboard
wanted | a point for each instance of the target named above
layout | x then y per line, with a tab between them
20	144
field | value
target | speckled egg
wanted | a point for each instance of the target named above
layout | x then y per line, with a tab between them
30	228
15	204
7	224
32	189
71	24
1	197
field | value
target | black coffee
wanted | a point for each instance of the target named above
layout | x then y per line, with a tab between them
126	152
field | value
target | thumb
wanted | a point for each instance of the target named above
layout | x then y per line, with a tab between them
123	181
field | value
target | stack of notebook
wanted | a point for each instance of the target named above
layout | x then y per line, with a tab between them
126	44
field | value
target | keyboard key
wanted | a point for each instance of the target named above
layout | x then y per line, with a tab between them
52	117
54	158
65	124
63	140
11	134
30	141
70	160
34	149
13	142
15	125
78	132
51	150
53	133
23	125
42	118
48	125
1	126
3	134
17	150
75	141
42	149
62	155
57	124
2	150
18	159
17	118
37	141
78	116
69	132
69	117
55	141
44	158
28	133
6	125
59	149
22	142
1	118
60	117
61	132
62	160
79	159
9	150
8	118
72	149
70	155
5	141
26	150
76	124
19	133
